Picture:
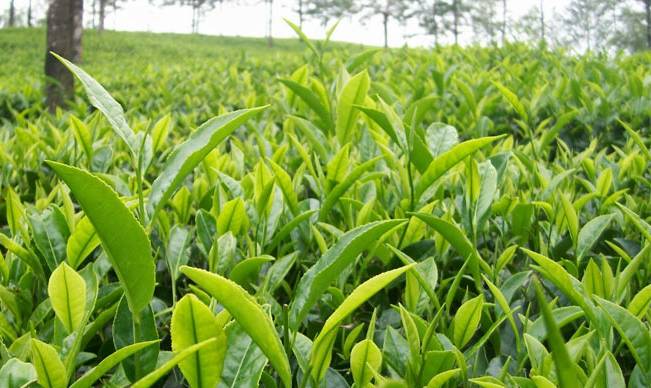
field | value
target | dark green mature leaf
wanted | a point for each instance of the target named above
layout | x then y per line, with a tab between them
564	365
187	155
635	334
127	331
50	235
319	277
590	233
244	360
123	238
248	314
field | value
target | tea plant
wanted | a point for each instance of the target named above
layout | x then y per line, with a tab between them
465	217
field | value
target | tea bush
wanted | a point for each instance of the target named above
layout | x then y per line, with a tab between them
340	216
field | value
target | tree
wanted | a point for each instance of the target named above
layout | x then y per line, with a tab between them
439	17
485	22
12	14
327	10
531	26
589	23
64	30
199	8
387	9
634	27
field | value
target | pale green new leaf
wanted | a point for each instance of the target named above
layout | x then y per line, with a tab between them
466	320
81	243
103	101
67	292
192	323
49	367
354	93
322	348
248	314
445	161
187	155
319	277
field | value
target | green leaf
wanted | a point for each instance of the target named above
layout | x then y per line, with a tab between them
466	321
94	374
244	361
452	234
81	243
16	373
322	348
606	374
365	357
440	137
248	314
49	367
67	292
312	100
83	136
571	218
248	268
103	101
353	93
319	277
634	333
513	100
440	379
341	188
179	357
187	155
590	233
123	238
192	323
50	235
564	365
129	329
302	36
445	161
566	283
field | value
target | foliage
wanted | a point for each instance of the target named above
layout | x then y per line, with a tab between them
456	217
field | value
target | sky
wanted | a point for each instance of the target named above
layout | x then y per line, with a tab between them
249	18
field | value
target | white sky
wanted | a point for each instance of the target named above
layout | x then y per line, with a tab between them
235	18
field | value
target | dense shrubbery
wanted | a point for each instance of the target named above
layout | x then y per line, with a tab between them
457	217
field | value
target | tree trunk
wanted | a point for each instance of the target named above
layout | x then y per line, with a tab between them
647	10
542	22
29	14
385	23
435	26
102	15
12	14
195	17
456	21
64	30
270	39
503	21
300	14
